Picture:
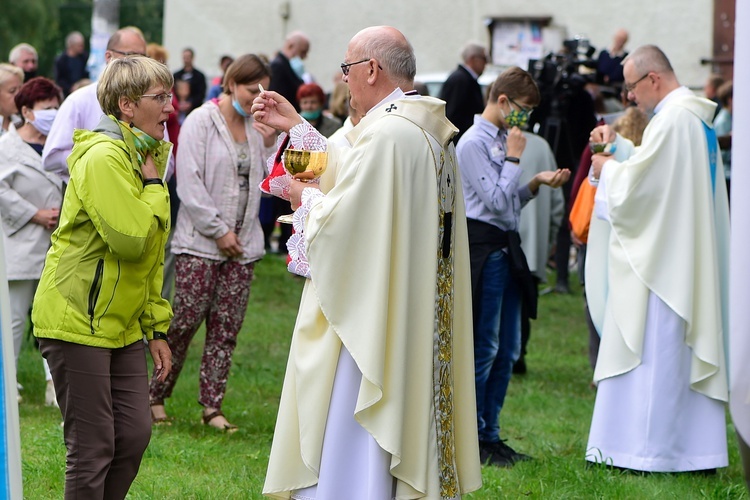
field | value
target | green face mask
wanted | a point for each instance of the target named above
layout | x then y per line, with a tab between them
516	118
311	115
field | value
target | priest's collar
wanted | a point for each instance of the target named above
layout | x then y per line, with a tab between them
678	92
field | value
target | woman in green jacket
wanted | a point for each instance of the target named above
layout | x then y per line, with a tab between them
99	293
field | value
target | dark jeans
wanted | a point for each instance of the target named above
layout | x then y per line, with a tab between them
103	398
497	341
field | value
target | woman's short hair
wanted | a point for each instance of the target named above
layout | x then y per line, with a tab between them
515	83
35	90
339	102
311	90
245	69
158	52
8	70
130	77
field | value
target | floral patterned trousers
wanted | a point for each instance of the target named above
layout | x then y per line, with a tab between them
216	292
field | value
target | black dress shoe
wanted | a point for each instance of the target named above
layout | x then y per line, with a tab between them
499	454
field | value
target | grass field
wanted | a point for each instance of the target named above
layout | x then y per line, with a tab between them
547	414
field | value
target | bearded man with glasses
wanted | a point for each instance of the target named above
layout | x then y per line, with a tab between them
657	282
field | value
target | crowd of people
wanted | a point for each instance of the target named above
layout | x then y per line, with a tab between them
135	210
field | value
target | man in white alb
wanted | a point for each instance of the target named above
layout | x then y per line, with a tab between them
656	282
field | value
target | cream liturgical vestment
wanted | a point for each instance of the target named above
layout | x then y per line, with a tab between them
656	279
389	288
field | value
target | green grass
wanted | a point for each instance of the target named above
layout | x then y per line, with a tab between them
546	414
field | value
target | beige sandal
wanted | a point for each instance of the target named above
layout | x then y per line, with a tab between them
165	420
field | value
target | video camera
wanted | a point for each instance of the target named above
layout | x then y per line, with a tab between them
561	71
565	116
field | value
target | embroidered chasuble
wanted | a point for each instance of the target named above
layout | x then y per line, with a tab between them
389	282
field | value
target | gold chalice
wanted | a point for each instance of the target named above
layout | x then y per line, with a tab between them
305	166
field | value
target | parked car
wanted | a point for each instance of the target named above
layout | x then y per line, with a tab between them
434	81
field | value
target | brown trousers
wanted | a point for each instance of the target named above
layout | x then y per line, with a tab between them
103	397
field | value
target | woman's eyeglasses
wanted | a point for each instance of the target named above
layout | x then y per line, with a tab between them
163	98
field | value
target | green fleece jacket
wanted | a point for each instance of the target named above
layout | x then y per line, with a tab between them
103	275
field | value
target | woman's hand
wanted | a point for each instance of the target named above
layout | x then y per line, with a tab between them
148	169
229	245
269	133
162	356
271	109
46	217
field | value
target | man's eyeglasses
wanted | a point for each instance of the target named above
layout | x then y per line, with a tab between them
345	66
631	86
163	98
127	54
528	111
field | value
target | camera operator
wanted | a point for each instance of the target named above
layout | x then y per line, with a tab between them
565	117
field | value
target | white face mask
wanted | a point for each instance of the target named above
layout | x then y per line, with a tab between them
43	119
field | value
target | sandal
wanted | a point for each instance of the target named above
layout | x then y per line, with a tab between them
156	421
228	428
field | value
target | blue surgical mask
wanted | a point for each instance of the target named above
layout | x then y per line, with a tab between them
238	108
43	119
297	66
311	115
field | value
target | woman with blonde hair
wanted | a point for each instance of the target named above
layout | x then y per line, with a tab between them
11	79
99	294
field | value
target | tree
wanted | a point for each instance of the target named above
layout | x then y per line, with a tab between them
105	19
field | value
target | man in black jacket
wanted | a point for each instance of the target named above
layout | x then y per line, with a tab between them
287	67
461	91
195	79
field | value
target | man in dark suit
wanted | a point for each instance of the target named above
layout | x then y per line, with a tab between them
70	66
195	79
461	91
287	67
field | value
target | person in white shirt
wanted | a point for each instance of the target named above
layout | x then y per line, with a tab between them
81	110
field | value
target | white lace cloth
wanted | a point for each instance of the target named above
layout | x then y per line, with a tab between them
296	244
302	136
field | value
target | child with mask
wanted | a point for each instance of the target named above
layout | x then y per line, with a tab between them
488	159
30	200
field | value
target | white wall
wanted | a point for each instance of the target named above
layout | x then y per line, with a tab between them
436	28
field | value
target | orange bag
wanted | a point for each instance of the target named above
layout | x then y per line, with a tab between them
582	210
